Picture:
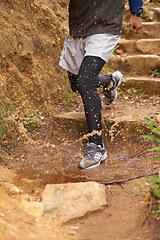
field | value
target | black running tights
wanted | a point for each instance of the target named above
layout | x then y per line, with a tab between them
86	83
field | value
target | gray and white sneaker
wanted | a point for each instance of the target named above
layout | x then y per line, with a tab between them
111	93
93	156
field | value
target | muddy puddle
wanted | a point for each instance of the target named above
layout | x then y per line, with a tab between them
116	167
123	162
40	159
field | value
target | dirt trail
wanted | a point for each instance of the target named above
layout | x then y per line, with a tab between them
38	159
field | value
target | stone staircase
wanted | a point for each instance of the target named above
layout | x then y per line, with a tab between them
138	54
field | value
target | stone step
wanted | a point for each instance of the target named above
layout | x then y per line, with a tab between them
135	63
156	14
133	115
135	108
145	46
147	85
143	63
127	113
149	30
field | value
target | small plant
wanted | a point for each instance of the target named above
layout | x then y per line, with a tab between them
115	48
132	92
154	73
139	187
155	185
30	122
138	94
154	182
156	130
127	31
69	99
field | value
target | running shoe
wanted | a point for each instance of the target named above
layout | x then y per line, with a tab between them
111	93
93	156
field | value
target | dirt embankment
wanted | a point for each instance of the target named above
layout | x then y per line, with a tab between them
32	34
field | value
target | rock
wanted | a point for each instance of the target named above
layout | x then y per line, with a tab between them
64	202
119	52
33	208
10	189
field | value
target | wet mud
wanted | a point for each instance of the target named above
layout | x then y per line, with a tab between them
48	159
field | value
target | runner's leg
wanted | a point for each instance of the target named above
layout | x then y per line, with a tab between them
73	81
87	83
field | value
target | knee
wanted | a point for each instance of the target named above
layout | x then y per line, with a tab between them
82	85
86	84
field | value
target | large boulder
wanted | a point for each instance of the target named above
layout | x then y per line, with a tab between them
64	202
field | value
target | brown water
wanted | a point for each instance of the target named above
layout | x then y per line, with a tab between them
49	159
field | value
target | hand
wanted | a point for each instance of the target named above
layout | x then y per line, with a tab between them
135	23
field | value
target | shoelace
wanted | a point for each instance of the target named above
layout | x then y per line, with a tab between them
89	151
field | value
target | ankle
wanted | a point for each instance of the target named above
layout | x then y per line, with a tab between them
97	143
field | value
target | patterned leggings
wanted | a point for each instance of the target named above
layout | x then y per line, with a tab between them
86	83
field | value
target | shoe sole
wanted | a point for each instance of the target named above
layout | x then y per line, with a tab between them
116	94
97	164
121	79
